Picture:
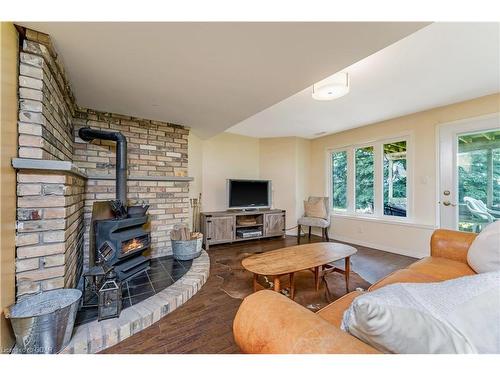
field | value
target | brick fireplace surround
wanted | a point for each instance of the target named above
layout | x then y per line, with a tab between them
60	176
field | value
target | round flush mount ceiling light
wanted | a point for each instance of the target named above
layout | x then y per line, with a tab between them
332	87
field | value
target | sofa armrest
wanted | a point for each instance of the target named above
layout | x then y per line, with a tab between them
451	244
270	323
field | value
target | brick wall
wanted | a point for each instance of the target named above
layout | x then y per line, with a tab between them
49	230
46	102
155	150
54	208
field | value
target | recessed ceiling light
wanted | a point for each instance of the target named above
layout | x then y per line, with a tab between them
332	87
318	134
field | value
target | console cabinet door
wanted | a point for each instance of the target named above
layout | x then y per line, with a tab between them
220	229
274	224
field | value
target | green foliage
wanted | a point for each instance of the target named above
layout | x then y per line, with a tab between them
473	177
339	179
364	179
364	176
398	182
496	177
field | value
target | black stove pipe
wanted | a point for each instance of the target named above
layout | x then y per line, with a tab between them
88	134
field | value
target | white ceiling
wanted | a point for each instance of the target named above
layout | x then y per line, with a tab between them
440	64
208	76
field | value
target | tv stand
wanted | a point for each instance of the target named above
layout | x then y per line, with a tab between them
220	227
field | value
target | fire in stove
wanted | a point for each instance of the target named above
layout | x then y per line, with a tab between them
134	244
121	244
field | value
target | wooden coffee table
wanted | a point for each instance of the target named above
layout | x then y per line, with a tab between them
288	260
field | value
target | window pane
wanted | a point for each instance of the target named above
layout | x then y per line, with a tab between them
496	178
339	180
364	180
478	180
395	195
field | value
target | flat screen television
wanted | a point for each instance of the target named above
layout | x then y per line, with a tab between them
248	194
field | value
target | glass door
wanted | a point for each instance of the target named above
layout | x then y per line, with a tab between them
470	174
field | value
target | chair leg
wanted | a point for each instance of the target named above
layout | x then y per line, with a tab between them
298	234
326	235
309	233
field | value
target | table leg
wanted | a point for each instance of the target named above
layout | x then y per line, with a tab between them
292	285
277	284
347	272
316	278
255	282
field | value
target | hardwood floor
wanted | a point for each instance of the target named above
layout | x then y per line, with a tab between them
204	323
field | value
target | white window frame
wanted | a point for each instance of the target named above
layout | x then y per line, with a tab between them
378	190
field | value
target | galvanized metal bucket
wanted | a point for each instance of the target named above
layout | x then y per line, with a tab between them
187	250
43	323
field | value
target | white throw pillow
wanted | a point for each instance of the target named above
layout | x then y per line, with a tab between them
315	207
484	252
455	316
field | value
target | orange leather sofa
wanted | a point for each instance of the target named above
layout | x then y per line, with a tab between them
268	322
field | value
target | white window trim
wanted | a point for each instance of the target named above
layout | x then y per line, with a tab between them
378	213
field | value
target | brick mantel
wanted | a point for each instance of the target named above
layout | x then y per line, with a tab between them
47	165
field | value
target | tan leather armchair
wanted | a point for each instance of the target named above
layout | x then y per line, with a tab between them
270	323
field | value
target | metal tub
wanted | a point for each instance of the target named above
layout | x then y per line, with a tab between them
188	249
43	323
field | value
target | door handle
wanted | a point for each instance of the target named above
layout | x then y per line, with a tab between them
448	203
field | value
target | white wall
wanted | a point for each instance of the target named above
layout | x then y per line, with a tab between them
286	161
278	163
195	168
214	160
302	178
297	168
409	239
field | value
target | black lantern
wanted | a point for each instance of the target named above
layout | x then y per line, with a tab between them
110	298
92	282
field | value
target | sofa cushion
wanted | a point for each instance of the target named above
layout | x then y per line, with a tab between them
404	276
441	268
484	252
454	316
334	312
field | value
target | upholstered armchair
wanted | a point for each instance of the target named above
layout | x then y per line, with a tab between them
314	219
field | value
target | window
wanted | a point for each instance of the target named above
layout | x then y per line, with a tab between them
364	180
339	180
395	191
478	162
371	179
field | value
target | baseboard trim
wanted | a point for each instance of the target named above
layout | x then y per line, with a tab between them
409	253
389	249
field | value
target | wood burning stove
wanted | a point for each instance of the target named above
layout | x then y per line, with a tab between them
119	241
